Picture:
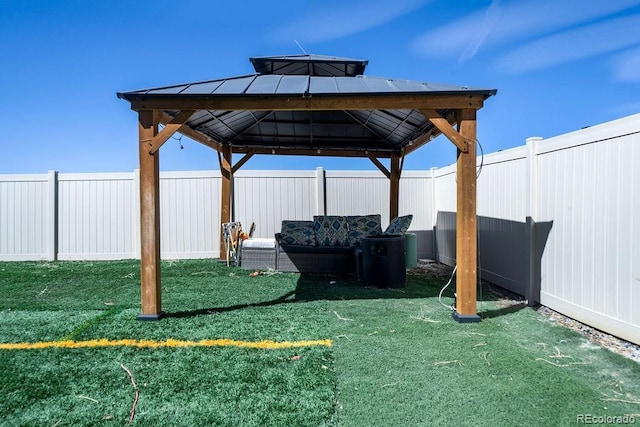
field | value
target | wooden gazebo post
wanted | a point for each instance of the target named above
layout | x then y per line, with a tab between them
149	216
466	221
226	170
394	186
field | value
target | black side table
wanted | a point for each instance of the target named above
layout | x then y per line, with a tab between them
383	261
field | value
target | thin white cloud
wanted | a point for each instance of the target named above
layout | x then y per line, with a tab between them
516	20
339	19
489	21
626	68
574	45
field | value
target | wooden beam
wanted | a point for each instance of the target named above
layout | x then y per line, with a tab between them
466	223
193	134
225	158
394	188
150	276
169	129
313	152
242	161
297	102
379	165
445	127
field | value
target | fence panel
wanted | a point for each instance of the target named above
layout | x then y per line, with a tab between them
97	216
358	193
416	198
502	211
267	198
24	217
445	204
589	190
190	214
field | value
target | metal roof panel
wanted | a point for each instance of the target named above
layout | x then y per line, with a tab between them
234	86
293	85
202	88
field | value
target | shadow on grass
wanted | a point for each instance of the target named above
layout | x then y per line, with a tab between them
317	287
490	314
284	299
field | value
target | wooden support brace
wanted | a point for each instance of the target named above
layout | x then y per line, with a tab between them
380	166
196	136
445	127
242	161
170	128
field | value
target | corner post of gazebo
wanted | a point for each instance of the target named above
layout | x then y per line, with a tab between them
226	170
394	187
466	221
150	275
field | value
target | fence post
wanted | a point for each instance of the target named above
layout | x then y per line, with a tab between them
533	262
434	213
321	201
136	213
52	220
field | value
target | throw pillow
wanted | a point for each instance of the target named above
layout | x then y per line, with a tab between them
297	233
363	226
331	230
399	225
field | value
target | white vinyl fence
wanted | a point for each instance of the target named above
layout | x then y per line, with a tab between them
559	222
96	216
557	218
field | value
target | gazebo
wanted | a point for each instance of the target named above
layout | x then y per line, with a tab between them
309	105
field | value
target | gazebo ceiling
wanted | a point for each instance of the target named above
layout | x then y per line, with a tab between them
354	132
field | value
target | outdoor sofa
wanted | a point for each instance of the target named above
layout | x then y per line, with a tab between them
329	244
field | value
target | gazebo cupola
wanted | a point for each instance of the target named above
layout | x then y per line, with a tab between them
309	65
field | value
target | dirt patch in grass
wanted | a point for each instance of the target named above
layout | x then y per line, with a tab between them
615	344
504	298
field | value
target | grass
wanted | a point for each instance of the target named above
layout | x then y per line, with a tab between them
397	357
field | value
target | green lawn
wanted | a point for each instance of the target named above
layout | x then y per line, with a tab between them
397	358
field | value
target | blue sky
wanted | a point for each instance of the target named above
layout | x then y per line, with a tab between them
559	66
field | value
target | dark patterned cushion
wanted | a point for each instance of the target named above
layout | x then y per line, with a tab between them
399	225
331	230
363	226
297	233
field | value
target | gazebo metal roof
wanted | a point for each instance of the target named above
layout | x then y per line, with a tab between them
334	132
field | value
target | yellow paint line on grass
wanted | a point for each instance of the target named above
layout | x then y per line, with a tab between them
101	343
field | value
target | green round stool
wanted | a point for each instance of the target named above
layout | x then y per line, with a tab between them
411	250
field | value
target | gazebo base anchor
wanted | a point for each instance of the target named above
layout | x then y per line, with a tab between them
465	318
147	317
